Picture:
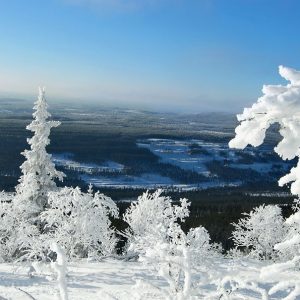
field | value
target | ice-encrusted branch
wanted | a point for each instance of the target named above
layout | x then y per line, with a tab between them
60	267
279	104
229	285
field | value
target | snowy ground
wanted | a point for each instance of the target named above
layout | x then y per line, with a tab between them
115	279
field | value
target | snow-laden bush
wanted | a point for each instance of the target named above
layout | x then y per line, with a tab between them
155	234
149	211
286	275
16	232
80	222
259	231
290	245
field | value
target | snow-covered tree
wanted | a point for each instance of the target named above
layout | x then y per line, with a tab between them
259	231
38	170
80	222
156	236
20	225
280	104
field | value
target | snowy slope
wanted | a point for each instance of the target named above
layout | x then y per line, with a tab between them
117	279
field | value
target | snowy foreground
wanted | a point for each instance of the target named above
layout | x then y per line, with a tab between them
116	279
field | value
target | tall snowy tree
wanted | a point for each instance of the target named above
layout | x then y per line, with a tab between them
280	104
38	170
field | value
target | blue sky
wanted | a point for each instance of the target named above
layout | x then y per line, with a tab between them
177	55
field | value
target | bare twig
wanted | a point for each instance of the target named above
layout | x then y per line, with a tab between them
29	295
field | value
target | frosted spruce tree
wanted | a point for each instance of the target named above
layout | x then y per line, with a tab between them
38	171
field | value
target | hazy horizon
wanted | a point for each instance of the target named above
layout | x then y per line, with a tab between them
186	56
115	104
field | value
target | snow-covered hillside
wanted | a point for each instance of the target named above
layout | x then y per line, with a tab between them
114	279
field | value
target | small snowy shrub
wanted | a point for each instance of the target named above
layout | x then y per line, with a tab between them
290	246
259	231
18	234
156	236
150	211
80	222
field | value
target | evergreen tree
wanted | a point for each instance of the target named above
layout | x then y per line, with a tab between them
38	170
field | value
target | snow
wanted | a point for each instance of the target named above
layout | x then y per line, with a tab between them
65	160
111	279
259	167
114	279
269	194
178	153
150	181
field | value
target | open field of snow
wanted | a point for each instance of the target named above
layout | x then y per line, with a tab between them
65	160
151	181
120	280
209	159
180	153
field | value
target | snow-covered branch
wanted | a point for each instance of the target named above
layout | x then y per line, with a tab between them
279	104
